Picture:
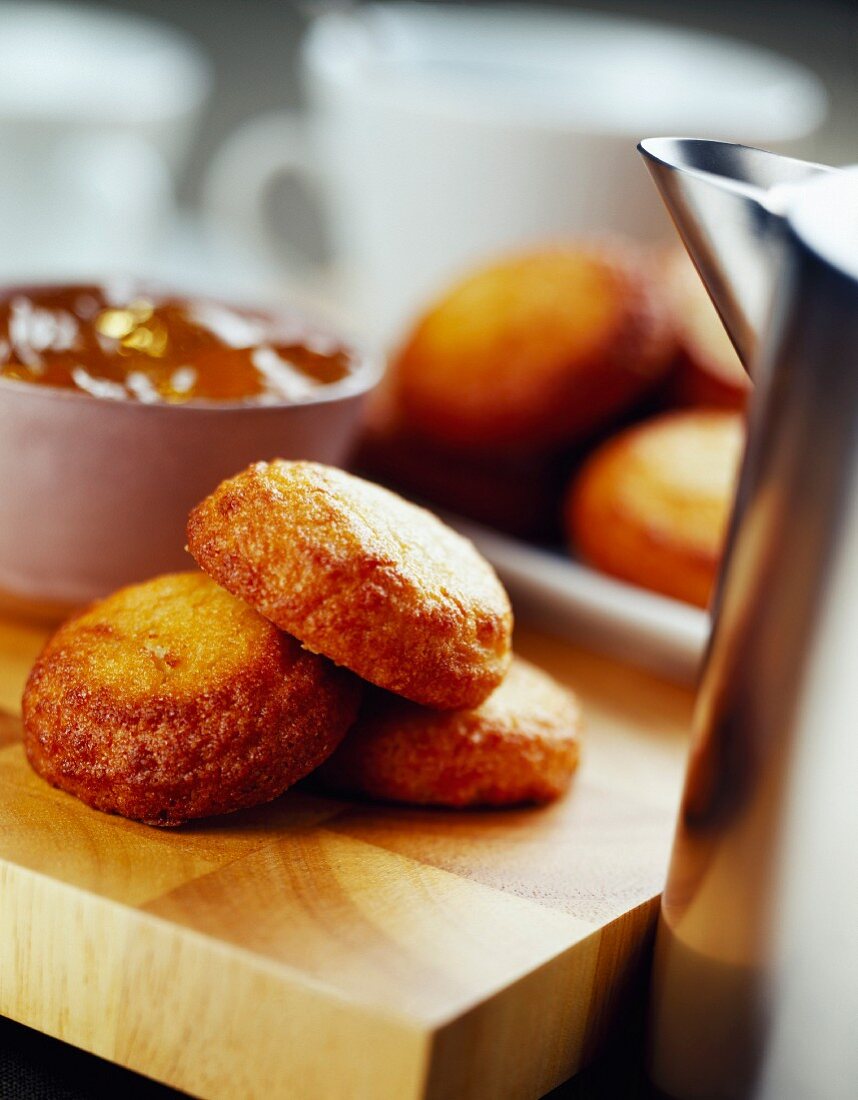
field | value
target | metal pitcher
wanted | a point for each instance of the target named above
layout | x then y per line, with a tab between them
755	989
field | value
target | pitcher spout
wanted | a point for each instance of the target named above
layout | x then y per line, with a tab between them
727	201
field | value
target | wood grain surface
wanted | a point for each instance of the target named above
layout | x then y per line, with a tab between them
322	949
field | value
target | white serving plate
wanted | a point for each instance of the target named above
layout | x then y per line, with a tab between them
567	598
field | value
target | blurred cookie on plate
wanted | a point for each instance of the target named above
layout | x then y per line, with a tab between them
535	352
652	504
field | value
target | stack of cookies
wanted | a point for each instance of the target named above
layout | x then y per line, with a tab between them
336	629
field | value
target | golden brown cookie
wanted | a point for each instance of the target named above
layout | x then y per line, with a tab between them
173	700
652	504
520	745
535	352
361	576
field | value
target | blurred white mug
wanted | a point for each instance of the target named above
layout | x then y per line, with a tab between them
97	111
436	136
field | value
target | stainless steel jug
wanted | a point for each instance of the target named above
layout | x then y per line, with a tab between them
755	988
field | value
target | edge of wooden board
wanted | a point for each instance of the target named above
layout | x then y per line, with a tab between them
135	989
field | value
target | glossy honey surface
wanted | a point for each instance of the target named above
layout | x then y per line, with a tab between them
133	344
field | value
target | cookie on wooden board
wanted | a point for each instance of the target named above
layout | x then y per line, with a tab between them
173	700
521	745
360	575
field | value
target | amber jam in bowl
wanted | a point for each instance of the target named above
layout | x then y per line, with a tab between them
130	343
122	406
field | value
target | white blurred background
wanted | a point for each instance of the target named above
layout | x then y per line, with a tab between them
254	45
162	148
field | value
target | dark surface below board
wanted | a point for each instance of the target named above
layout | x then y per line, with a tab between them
34	1067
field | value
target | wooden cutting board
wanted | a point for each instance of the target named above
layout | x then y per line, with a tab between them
321	949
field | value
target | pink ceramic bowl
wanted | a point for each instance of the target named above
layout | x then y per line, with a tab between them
94	493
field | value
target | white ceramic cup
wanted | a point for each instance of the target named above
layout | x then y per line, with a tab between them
436	136
97	112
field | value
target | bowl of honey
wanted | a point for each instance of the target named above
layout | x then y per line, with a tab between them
122	405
